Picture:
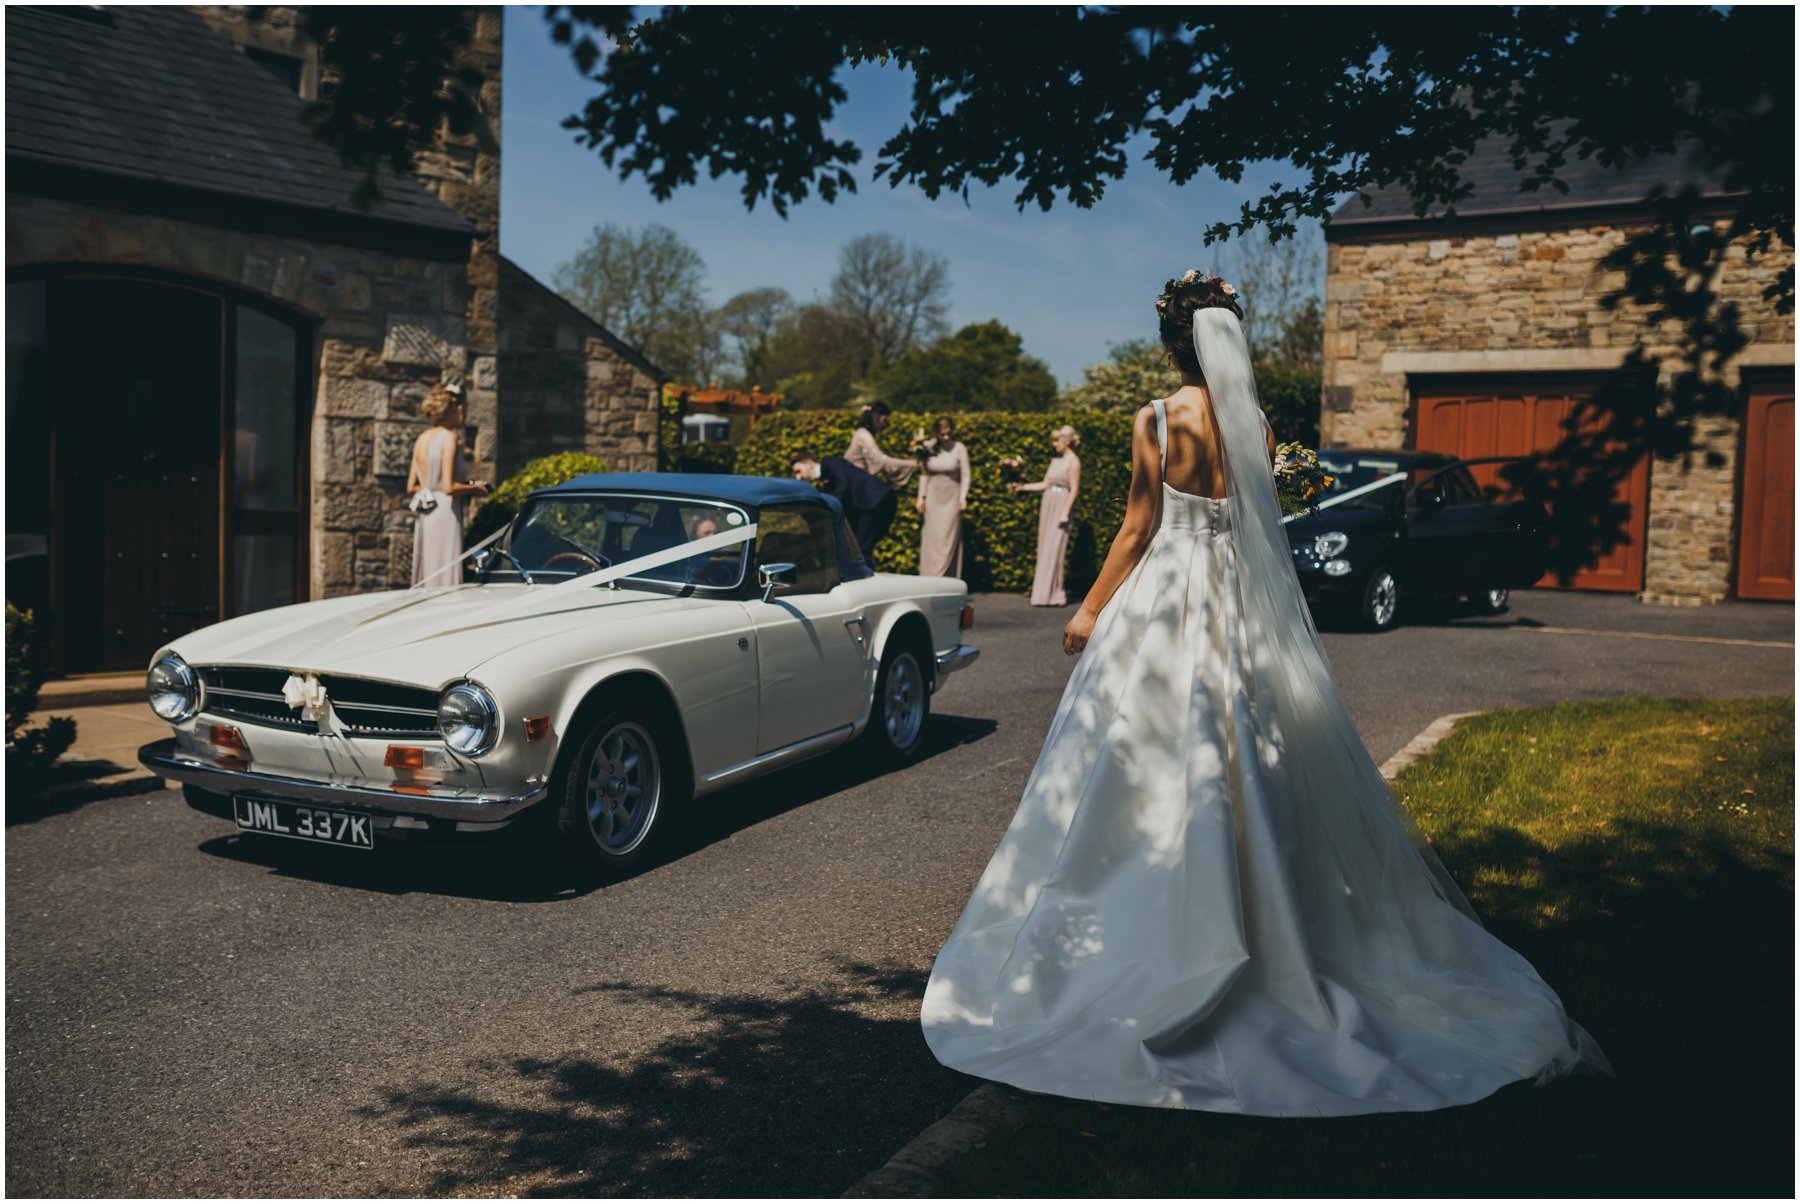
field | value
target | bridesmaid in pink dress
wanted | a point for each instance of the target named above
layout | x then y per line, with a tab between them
1062	481
943	495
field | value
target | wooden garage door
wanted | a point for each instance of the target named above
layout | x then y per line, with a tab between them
1518	419
1766	528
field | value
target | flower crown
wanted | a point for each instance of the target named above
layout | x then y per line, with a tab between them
1191	276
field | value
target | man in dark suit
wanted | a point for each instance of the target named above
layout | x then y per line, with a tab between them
867	501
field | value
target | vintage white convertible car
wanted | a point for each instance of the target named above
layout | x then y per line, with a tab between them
633	641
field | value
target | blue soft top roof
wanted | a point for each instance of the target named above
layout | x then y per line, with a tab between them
722	487
744	491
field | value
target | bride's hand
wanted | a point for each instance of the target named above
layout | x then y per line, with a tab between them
1075	635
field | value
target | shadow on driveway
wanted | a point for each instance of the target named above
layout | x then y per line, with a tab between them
797	1094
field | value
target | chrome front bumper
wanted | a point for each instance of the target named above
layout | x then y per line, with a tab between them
959	657
483	810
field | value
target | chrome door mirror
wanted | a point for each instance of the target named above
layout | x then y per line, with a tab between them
771	575
480	561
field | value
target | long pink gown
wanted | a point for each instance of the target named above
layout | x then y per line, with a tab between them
943	488
1053	536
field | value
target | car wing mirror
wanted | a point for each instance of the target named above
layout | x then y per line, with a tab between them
480	560
769	576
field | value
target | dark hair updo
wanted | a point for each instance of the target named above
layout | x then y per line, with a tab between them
1175	318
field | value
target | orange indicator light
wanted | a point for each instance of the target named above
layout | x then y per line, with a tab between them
968	617
536	728
226	736
399	756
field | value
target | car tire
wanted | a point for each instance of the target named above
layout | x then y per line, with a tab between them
621	791
1380	608
1489	601
902	705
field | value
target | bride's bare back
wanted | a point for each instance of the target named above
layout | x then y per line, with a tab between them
1195	463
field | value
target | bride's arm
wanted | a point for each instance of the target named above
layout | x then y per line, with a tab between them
1134	533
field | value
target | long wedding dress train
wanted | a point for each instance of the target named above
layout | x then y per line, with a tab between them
1194	908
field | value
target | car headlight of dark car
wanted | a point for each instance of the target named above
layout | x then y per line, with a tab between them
1330	544
173	689
468	719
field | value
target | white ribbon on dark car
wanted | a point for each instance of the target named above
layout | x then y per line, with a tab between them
1347	495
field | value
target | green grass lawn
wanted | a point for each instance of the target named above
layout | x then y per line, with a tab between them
1641	854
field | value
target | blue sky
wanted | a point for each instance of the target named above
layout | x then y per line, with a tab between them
1070	281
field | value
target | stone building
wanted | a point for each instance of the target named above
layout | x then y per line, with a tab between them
215	361
1478	337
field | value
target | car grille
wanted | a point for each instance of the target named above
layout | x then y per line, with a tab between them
375	709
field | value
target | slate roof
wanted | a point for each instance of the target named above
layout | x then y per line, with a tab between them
514	276
153	94
1489	167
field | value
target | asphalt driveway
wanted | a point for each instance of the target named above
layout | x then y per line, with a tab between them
191	1012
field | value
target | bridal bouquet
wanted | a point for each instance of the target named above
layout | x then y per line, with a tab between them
1299	481
1011	469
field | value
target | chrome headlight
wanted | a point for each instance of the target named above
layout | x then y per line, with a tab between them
468	719
173	689
1330	544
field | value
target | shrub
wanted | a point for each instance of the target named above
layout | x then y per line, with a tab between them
28	750
999	527
703	457
541	473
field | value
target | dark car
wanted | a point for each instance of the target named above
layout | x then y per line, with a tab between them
1429	532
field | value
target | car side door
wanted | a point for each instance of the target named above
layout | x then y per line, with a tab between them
1437	532
812	661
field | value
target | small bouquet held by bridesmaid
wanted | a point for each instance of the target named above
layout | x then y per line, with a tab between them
1012	469
922	445
1299	481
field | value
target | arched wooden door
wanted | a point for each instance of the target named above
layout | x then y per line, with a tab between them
1766	522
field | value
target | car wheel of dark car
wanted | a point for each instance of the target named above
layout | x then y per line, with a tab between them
619	794
1489	601
1381	599
902	705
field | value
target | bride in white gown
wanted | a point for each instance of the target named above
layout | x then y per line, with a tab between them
1209	897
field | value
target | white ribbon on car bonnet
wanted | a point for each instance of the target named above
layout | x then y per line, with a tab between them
534	598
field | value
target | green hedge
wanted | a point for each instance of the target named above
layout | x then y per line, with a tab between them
999	527
541	473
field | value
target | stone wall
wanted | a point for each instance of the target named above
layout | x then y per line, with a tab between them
1525	303
386	327
569	384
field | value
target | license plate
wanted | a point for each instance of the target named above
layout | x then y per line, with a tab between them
302	822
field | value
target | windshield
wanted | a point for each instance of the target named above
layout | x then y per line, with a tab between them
557	538
1353	471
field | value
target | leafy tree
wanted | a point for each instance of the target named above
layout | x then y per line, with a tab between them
753	320
980	367
1280	283
893	295
813	358
1132	374
646	287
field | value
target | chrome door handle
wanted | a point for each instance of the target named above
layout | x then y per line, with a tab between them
863	636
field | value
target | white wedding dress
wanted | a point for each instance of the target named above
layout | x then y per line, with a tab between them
1208	897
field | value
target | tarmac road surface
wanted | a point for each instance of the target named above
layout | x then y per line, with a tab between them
192	1012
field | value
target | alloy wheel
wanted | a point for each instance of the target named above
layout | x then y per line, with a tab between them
903	701
624	788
